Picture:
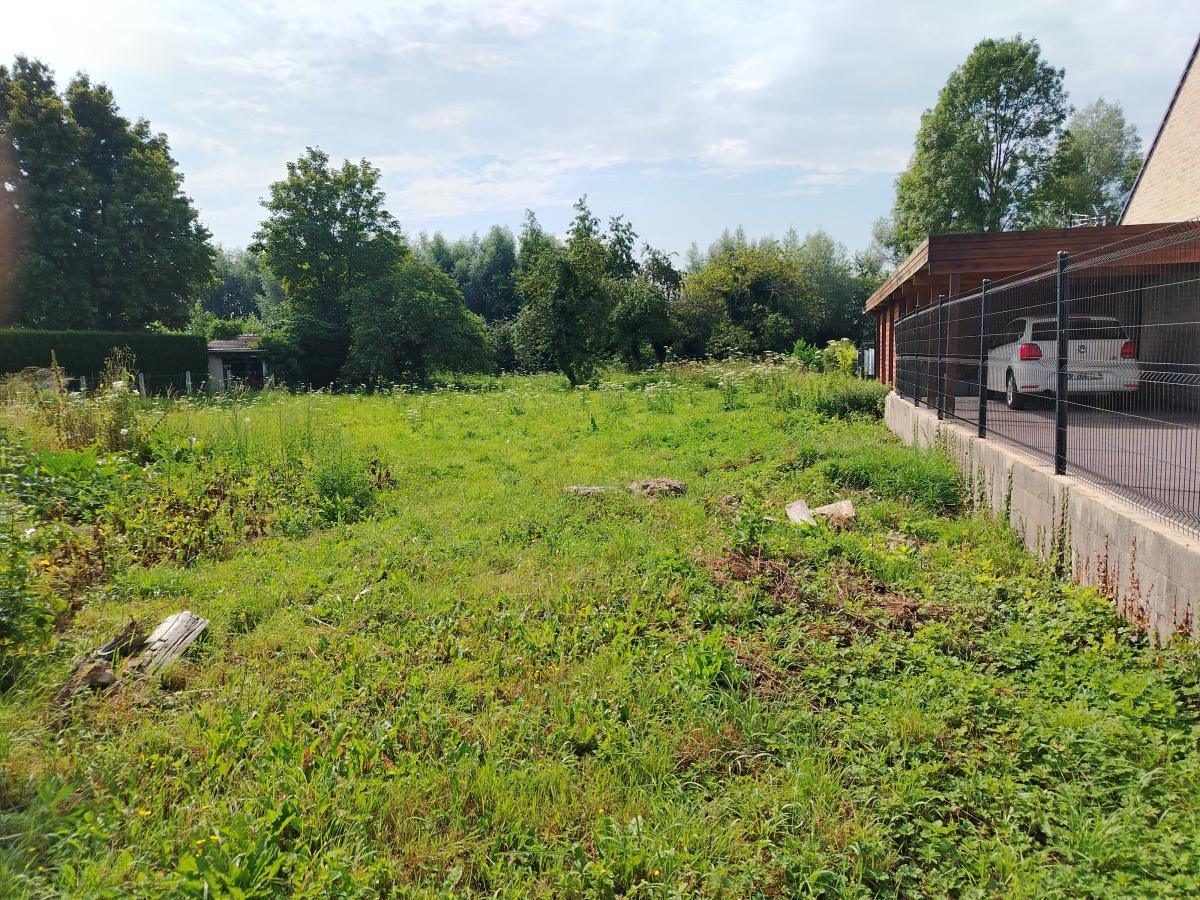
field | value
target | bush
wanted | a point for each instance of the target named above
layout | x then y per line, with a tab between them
809	355
500	341
845	398
108	418
840	356
306	350
157	355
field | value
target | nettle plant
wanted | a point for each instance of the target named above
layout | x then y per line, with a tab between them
25	618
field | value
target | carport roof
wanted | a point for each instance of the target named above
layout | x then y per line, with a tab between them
956	263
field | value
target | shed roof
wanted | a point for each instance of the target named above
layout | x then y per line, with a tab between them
243	343
956	263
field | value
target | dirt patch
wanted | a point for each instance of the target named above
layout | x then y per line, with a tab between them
724	751
848	603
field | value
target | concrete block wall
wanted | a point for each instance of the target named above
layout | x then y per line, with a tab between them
1149	568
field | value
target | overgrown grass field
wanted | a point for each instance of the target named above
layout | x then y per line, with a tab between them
431	671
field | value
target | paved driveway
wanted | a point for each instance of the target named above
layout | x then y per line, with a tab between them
1151	457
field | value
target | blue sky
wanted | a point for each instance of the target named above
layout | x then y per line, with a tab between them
687	118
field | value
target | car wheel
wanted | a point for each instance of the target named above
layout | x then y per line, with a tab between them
1013	398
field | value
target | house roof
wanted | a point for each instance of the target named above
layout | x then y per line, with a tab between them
1162	126
954	264
243	343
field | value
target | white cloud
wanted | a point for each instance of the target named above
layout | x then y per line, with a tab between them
446	117
697	115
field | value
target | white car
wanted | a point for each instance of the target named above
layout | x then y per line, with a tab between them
1101	359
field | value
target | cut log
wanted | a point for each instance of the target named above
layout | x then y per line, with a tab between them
168	641
96	669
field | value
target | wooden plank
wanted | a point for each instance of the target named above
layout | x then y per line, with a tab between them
168	641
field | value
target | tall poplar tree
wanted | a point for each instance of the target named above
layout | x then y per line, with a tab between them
104	235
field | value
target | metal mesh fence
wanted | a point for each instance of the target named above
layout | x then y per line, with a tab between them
1091	363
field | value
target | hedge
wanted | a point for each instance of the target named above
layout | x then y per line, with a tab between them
163	358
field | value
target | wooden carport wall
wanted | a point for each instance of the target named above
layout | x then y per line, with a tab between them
956	264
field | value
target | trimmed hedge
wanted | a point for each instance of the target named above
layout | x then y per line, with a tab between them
159	356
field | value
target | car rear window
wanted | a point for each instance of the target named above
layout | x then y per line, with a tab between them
1082	330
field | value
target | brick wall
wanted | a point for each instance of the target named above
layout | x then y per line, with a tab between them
1169	189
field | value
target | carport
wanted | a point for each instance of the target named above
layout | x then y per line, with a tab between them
1140	441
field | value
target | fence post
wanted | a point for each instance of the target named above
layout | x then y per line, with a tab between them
983	357
941	357
142	383
83	385
1060	399
187	382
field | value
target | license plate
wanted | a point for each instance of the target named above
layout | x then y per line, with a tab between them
1085	376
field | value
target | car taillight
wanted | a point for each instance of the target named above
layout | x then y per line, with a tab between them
1127	350
1030	352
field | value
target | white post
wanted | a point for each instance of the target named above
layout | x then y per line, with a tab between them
142	383
187	381
83	385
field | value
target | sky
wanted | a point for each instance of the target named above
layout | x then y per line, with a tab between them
685	117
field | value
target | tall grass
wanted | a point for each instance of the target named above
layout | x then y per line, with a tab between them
486	686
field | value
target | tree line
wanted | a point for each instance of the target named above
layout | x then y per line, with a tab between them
96	232
362	304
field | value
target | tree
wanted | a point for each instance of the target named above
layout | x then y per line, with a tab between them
107	237
1094	167
982	151
327	234
492	285
640	316
411	323
565	321
842	285
746	297
236	287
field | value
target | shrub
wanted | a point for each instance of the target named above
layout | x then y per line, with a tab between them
342	478
845	398
840	356
809	355
500	340
155	354
109	418
306	350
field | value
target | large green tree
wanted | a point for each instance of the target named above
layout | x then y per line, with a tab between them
746	297
1094	167
485	269
410	323
327	233
241	287
104	235
982	151
326	237
569	294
